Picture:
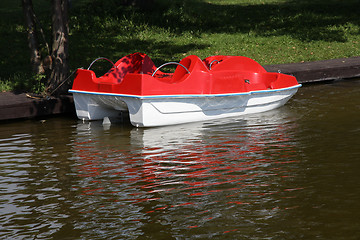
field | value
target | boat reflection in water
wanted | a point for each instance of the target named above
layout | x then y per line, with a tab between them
203	179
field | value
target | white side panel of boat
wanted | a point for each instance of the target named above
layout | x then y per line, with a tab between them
95	107
260	98
196	104
170	110
264	101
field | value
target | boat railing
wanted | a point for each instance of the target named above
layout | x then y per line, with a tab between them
169	63
101	58
212	63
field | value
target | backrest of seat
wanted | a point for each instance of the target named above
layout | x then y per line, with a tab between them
136	63
238	63
191	63
211	61
133	63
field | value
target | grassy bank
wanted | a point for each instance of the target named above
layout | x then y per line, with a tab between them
269	31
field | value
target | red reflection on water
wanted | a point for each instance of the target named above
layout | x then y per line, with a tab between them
237	202
195	226
201	178
183	204
209	165
157	209
91	191
229	231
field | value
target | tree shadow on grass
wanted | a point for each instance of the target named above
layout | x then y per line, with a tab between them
307	20
14	51
95	25
158	51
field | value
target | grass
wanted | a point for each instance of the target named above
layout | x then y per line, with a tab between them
269	31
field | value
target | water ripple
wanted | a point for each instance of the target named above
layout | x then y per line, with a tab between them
276	175
183	174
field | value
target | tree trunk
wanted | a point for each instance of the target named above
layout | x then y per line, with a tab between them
59	53
35	56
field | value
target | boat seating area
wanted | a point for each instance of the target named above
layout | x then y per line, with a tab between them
138	75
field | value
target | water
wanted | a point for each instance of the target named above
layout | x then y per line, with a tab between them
291	173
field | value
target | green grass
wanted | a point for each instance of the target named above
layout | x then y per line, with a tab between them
269	31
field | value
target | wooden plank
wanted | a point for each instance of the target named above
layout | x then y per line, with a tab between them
16	106
318	71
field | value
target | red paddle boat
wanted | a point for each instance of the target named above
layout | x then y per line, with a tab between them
198	90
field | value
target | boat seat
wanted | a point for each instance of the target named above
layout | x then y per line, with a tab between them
185	67
212	61
193	63
233	63
134	63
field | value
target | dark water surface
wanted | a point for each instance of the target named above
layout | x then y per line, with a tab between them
291	173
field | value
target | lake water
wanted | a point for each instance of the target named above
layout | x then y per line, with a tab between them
291	173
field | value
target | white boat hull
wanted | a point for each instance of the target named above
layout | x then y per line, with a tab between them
151	111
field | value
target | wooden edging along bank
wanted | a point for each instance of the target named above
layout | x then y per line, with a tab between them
320	71
19	106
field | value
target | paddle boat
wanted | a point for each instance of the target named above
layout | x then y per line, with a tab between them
198	90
